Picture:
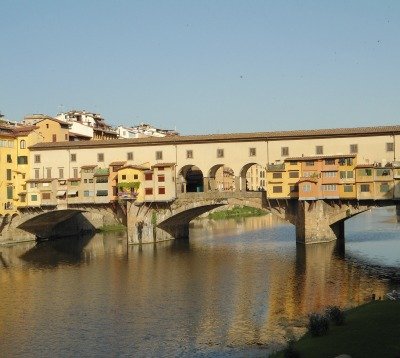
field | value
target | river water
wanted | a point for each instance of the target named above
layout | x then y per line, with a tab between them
236	288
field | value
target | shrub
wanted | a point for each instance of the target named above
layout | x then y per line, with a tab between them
335	315
318	324
290	351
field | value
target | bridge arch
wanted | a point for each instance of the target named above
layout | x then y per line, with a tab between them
221	178
190	179
256	180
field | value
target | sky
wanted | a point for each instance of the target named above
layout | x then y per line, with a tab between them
204	66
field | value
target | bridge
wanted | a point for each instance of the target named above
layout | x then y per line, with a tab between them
315	221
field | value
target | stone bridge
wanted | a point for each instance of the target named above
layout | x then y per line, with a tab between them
315	221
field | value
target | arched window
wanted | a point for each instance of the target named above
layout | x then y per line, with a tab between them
22	144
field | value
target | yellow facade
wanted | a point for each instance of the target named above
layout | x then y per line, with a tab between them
8	163
131	182
52	130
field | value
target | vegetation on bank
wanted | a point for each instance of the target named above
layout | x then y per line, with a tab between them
111	228
237	212
371	330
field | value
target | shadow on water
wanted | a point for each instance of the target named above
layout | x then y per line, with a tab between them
60	251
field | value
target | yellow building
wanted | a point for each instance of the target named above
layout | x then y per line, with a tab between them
131	182
7	168
277	184
48	128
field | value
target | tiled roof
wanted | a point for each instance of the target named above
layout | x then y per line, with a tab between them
234	137
117	163
88	166
130	166
316	157
163	165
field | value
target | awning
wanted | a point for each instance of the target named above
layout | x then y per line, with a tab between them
60	193
72	192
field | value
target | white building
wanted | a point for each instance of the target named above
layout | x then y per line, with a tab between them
144	130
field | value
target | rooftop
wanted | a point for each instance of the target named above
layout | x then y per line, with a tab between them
233	137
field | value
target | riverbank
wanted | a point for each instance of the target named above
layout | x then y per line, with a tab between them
236	212
371	330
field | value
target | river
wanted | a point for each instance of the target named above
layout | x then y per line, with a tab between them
236	288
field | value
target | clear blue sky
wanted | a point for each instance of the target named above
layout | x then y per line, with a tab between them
204	66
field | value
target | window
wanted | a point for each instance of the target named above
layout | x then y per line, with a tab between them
220	153
189	154
353	148
61	173
23	198
389	147
346	161
277	175
160	169
136	176
329	187
284	151
75	171
45	196
37	158
382	172
102	193
54	137
22	144
293	174
365	172
159	155
161	178
47	125
90	180
33	185
252	152
277	189
66	136
306	187
33	197
148	176
9	192
22	159
129	156
9	175
309	163
364	188
148	191
330	161
9	159
161	190
88	193
346	174
384	188
100	157
74	183
85	181
292	162
329	174
348	188
123	177
319	149
73	157
102	180
48	173
36	171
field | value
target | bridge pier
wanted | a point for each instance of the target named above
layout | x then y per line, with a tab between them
316	221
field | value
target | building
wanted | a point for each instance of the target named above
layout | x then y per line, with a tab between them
87	125
144	130
49	128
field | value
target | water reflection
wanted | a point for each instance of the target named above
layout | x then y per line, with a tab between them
233	286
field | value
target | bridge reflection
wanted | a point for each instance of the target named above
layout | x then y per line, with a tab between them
247	286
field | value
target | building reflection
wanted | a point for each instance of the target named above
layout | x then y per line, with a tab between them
219	290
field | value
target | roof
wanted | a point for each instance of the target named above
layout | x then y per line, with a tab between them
49	180
78	135
316	157
88	166
130	166
233	137
117	163
101	172
158	165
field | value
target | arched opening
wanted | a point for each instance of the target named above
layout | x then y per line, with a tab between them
191	179
253	177
221	178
